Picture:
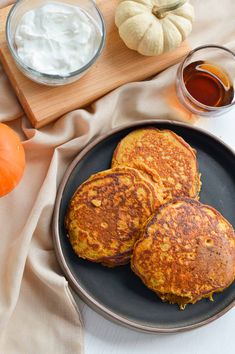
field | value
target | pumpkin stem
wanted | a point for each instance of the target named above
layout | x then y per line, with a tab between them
161	12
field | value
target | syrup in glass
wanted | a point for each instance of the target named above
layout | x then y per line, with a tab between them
208	83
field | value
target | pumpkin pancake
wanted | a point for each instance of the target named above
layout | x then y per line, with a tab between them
162	156
186	252
106	214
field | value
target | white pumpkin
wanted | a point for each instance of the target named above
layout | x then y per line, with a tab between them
152	27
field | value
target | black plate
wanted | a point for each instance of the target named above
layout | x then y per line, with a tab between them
117	293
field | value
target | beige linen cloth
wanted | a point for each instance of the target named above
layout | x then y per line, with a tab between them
38	314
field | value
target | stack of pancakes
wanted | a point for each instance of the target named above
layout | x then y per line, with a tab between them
146	208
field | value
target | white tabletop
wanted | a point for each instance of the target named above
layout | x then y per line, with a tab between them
105	337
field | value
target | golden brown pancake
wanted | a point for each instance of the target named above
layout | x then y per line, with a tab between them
106	214
186	252
162	156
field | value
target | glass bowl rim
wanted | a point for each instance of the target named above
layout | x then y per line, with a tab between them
37	73
182	84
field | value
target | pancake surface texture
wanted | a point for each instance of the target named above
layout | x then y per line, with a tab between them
164	157
186	252
106	214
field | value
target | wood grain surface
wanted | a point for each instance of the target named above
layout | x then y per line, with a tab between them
116	66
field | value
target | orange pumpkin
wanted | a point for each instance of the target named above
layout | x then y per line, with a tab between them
12	159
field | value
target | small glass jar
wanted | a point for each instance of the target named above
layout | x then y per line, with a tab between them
23	6
222	62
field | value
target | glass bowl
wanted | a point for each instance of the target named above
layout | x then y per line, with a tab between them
223	59
14	16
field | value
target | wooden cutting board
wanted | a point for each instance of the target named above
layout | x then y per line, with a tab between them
116	66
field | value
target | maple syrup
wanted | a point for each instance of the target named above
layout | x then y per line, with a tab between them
208	83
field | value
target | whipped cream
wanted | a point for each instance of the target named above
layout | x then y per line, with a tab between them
56	38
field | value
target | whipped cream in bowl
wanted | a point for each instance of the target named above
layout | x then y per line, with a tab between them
55	42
